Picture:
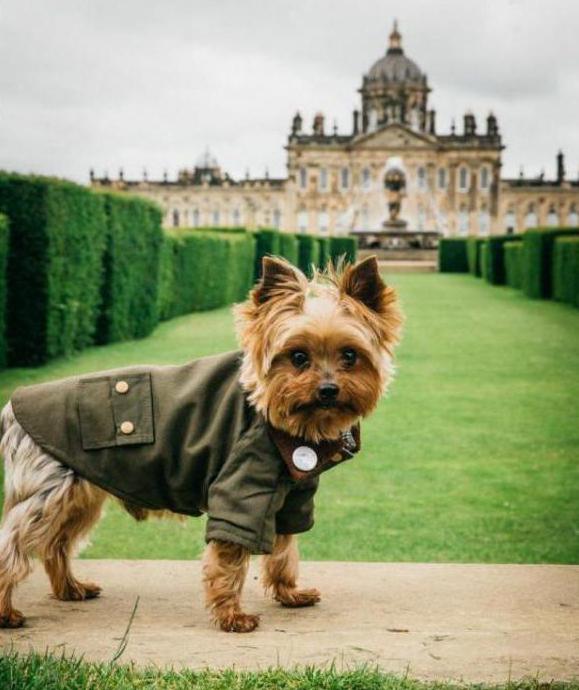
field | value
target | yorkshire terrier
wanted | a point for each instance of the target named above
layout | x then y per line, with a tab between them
316	357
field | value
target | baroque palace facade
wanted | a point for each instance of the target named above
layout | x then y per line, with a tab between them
342	183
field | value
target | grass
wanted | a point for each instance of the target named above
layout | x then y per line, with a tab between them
472	457
36	672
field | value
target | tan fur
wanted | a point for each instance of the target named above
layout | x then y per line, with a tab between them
49	510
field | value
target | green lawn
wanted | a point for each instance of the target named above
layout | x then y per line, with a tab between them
473	456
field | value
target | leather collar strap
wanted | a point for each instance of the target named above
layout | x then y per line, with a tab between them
304	459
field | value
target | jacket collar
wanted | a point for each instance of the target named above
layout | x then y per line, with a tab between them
304	459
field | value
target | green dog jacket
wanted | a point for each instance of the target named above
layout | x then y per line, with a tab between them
185	439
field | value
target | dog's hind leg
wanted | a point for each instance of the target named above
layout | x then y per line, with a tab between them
80	510
280	574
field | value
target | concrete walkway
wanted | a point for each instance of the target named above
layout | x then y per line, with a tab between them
463	622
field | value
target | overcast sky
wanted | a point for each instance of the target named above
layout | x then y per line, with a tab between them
143	83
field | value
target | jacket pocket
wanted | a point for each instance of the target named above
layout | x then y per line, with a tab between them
116	411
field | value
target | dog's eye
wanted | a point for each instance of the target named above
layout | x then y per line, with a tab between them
349	356
299	359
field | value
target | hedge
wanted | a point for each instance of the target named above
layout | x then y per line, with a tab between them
343	246
512	255
324	251
452	255
267	244
288	247
566	270
129	307
204	270
57	240
4	237
473	245
484	260
537	260
495	268
308	253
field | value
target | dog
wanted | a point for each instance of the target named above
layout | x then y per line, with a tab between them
316	356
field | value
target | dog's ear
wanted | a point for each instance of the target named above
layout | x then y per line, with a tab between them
362	282
278	279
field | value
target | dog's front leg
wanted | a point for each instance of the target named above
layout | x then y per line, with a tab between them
280	574
224	570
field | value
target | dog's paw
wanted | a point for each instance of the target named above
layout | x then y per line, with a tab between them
298	598
79	591
11	619
240	623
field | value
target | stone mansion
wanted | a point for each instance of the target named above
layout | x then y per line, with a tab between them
337	183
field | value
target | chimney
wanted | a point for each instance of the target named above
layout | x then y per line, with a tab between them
560	167
469	125
492	126
91	174
432	121
356	119
121	174
297	124
319	125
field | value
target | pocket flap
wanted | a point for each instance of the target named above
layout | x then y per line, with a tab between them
116	411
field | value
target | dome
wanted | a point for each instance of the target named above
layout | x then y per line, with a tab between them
395	66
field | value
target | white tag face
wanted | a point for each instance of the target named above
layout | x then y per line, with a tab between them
304	458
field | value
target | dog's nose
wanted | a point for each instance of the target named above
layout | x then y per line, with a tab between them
328	392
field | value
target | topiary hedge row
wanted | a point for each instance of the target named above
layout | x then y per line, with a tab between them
134	236
566	270
204	270
324	251
494	270
4	237
308	253
473	253
512	255
57	241
267	244
289	247
452	255
537	260
343	247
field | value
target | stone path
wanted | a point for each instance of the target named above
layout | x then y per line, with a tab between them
463	622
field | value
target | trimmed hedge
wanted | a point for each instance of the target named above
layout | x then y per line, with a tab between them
57	240
289	247
267	244
566	270
452	255
484	259
473	253
308	253
129	307
324	251
343	246
495	258
513	257
204	270
4	237
537	260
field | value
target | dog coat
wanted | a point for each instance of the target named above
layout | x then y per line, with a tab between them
185	439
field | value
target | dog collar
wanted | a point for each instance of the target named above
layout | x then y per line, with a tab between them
304	459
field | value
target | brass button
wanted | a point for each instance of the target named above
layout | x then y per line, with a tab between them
121	387
127	427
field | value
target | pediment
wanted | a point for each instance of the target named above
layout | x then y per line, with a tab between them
394	137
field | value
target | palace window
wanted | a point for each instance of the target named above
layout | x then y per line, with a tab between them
510	221
572	218
484	222
366	179
175	218
484	177
195	217
552	216
442	178
303	178
236	217
323	179
421	218
323	221
185	217
463	221
215	217
345	178
303	221
421	178
276	218
463	179
531	219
